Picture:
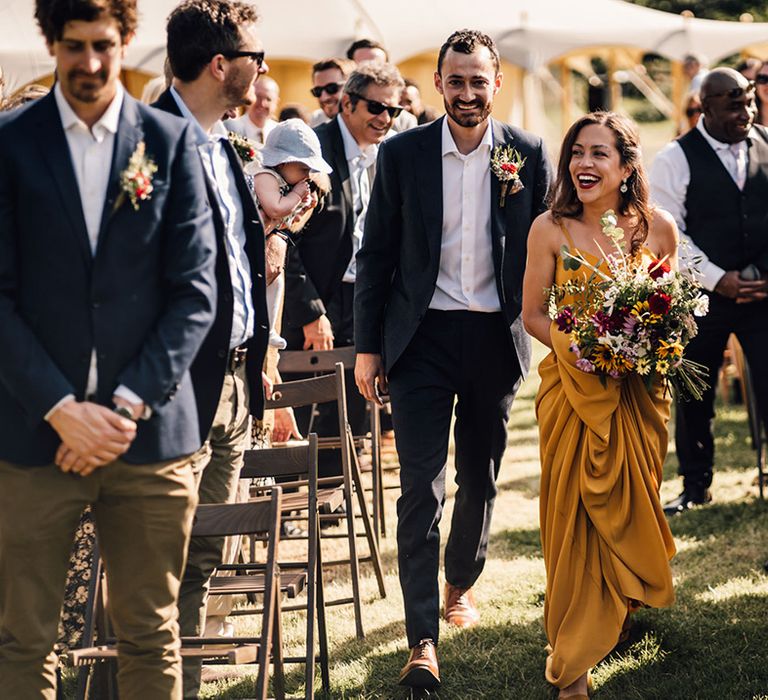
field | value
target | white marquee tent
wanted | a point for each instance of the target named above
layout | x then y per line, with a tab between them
530	33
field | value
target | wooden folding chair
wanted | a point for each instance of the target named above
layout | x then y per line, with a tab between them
324	362
254	517
299	465
326	388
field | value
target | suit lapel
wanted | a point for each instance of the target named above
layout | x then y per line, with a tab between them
55	153
430	184
128	136
340	165
499	214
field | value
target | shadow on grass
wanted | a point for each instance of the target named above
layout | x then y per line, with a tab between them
509	544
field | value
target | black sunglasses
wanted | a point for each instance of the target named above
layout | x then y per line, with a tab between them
761	79
330	88
376	108
692	111
256	56
735	93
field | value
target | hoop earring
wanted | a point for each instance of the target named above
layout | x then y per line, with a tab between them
623	188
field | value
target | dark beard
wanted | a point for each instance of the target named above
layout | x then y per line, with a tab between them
90	93
468	120
236	90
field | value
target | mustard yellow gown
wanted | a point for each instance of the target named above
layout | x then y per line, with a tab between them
605	538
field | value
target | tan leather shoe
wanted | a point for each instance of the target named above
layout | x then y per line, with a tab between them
421	671
459	608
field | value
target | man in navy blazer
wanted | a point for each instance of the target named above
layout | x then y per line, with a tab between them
106	293
437	321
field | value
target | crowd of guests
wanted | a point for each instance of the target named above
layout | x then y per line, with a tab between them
212	239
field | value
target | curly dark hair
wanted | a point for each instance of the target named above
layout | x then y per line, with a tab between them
467	41
200	29
52	15
635	202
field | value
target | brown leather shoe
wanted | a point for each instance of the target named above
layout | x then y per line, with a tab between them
459	608
421	671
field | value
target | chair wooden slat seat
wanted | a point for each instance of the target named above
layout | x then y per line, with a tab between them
292	583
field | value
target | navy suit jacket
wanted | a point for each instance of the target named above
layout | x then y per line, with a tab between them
144	301
211	362
398	263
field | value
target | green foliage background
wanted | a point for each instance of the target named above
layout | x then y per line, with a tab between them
711	9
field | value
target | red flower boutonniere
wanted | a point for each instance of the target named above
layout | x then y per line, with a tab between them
506	164
136	179
245	148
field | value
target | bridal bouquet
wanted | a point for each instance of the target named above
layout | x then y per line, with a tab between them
636	318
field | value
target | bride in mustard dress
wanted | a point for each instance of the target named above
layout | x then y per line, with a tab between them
605	539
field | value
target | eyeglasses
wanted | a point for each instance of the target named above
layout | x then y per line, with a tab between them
735	93
761	79
692	111
256	56
330	88
376	108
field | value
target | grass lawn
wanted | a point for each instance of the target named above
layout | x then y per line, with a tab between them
712	644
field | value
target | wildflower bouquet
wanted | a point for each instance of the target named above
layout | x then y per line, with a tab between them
636	318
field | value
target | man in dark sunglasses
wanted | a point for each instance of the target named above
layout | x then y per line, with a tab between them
714	181
321	271
328	78
216	57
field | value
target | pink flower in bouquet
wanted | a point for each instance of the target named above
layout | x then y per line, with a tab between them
585	365
565	319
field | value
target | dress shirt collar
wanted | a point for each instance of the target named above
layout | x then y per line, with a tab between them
218	130
108	121
720	145
449	145
352	149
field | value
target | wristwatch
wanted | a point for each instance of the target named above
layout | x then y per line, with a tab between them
124	411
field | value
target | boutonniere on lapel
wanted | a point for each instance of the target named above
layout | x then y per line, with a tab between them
245	148
136	179
506	164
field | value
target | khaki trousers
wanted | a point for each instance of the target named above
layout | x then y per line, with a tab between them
143	515
217	469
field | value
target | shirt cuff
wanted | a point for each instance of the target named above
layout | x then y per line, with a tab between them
710	275
125	393
58	404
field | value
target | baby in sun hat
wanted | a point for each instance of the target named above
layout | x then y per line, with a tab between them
281	181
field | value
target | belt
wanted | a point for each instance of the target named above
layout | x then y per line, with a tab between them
237	357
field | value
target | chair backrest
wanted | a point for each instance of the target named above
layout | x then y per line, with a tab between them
304	392
260	515
291	461
316	360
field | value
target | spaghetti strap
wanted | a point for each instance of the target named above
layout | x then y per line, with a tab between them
566	234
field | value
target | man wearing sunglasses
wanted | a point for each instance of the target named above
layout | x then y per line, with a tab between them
320	271
328	78
216	57
714	181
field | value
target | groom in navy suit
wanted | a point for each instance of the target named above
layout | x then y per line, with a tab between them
106	293
437	320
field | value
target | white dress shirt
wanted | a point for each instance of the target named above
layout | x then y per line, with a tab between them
244	125
219	171
670	176
359	162
466	279
91	152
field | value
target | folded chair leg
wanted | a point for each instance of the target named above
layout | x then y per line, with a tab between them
322	629
311	615
373	546
278	677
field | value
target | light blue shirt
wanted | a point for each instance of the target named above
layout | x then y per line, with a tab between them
219	171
